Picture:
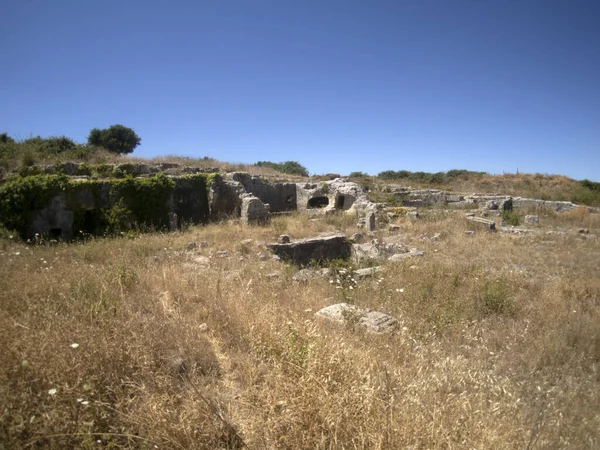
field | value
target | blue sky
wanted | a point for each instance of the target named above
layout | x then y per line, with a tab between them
340	86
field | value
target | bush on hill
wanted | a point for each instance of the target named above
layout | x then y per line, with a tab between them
289	167
116	138
427	177
358	175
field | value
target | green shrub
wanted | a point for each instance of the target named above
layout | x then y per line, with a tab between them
496	298
131	202
511	218
102	170
117	139
358	175
289	167
22	198
124	170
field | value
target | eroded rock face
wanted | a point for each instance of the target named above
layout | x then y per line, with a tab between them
376	250
254	211
337	194
55	220
225	198
532	219
280	196
304	251
374	321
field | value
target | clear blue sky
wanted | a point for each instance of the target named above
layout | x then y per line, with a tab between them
340	86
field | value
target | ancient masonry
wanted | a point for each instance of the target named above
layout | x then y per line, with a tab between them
89	206
214	197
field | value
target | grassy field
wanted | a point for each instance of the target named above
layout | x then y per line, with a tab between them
146	343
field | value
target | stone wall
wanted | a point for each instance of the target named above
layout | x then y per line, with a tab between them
280	196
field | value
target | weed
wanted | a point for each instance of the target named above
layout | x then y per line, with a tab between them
496	298
511	218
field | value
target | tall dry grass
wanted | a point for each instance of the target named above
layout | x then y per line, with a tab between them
499	345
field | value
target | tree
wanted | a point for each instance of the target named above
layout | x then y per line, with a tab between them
6	139
116	139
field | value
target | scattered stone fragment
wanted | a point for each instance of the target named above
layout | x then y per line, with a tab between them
489	224
532	219
203	244
246	241
325	271
366	272
283	239
412	215
370	221
254	211
303	251
222	253
469	233
583	230
203	327
191	245
381	251
378	322
436	237
491	205
402	256
373	321
393	227
305	275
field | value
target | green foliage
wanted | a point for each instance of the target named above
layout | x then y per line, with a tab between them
289	167
128	203
22	198
586	193
511	218
146	199
50	146
6	139
496	299
117	139
124	170
426	177
358	175
15	155
591	185
102	170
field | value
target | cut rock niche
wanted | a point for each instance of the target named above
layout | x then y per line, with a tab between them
318	202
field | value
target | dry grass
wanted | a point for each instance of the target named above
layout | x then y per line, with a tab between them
500	345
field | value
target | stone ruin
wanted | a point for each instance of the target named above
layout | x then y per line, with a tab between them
249	198
228	193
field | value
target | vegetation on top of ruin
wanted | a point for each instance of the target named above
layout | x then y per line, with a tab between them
28	155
